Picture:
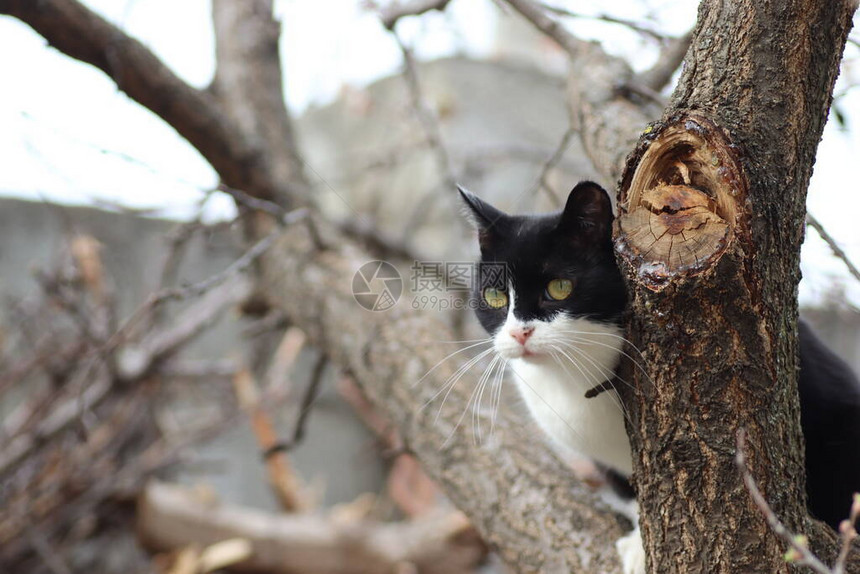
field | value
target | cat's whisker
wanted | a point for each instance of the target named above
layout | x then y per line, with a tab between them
469	402
450	355
596	380
605	334
451	381
608	374
556	355
597	333
493	383
583	337
476	409
455	378
497	393
624	340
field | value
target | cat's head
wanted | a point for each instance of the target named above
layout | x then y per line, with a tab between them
544	278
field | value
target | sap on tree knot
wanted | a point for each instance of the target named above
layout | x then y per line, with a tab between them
680	200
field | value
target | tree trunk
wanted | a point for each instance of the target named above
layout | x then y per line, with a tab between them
712	206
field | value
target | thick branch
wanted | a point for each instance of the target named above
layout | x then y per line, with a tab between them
517	494
196	115
170	518
249	84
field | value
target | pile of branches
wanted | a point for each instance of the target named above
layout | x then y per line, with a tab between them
84	450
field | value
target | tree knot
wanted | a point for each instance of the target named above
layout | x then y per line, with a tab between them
680	201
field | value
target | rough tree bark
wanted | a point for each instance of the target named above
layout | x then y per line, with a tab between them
712	208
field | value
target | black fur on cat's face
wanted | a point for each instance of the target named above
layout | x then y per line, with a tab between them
574	243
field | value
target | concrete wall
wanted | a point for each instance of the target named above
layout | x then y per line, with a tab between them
338	451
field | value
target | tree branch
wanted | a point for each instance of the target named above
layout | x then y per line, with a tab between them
834	247
502	485
81	34
633	25
171	518
658	76
426	116
799	545
249	83
394	11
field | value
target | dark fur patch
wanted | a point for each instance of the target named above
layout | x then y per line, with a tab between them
532	250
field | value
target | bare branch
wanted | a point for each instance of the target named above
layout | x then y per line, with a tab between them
170	517
235	268
837	251
132	363
537	15
394	11
608	123
202	287
63	414
282	478
249	83
425	115
848	533
632	24
375	240
310	395
252	202
799	545
542	181
137	359
658	76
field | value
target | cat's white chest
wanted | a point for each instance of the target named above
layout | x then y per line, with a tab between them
555	396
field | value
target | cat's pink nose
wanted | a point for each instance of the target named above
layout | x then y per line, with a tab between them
521	334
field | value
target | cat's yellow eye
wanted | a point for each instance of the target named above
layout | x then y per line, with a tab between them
495	298
559	289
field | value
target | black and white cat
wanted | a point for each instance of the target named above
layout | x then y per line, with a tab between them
555	316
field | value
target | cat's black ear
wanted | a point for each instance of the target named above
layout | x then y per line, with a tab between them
588	209
485	217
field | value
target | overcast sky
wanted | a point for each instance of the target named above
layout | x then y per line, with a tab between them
68	135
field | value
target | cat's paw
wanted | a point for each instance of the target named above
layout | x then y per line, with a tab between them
632	552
